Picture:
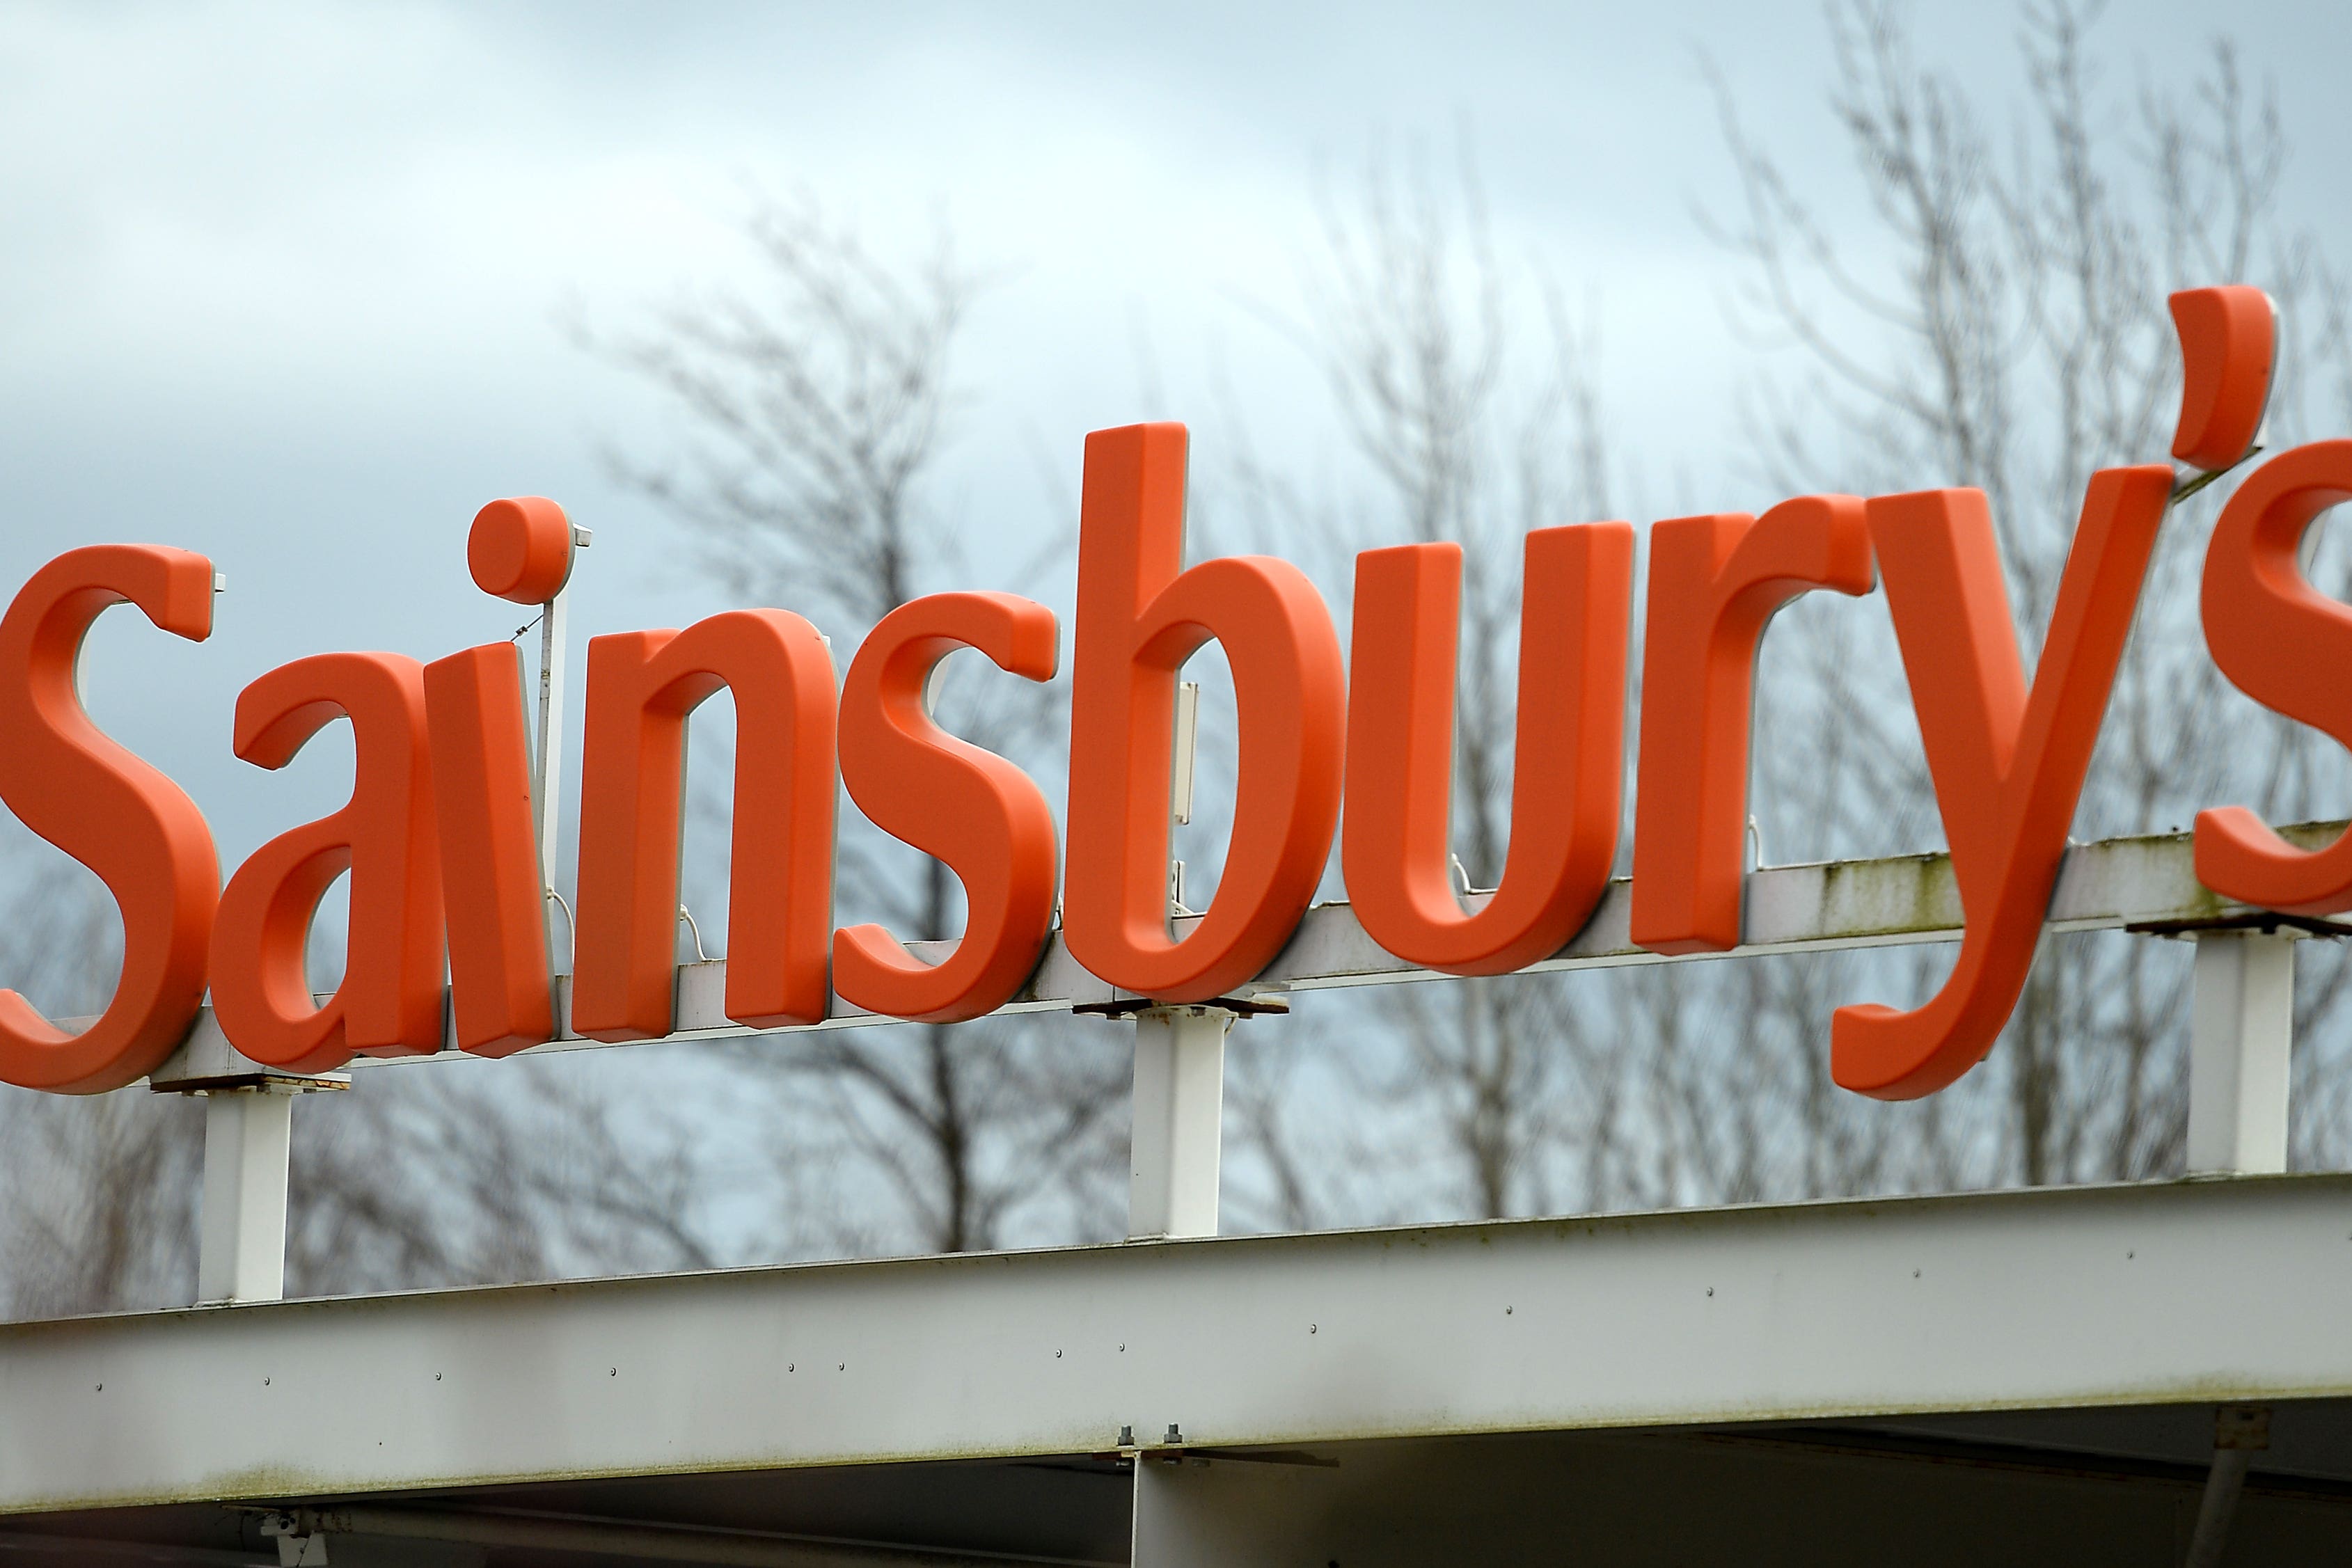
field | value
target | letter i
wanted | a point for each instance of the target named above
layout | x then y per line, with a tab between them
496	811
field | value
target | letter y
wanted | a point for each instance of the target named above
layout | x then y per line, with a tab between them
2007	763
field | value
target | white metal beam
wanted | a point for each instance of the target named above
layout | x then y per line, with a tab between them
2051	1297
2241	1037
1179	1106
2114	883
547	758
241	1250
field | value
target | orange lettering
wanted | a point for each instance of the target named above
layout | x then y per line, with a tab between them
1569	759
114	813
390	1001
973	810
2008	764
1139	617
640	687
500	991
1714	582
519	549
2228	350
2286	645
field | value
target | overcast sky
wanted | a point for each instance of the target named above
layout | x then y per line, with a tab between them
289	285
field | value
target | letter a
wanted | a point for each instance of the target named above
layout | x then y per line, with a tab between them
390	1001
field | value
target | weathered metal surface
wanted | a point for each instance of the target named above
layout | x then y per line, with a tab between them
2241	1050
2114	883
599	1538
2085	1296
241	1241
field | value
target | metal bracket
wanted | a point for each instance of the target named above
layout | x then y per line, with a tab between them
2240	1431
2269	922
300	1543
248	1140
1266	1004
206	1060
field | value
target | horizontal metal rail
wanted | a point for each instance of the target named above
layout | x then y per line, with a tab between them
2145	882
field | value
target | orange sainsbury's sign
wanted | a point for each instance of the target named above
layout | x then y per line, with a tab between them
447	883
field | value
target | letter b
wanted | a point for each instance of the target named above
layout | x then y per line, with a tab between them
1138	618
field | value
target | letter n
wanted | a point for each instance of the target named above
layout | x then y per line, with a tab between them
640	687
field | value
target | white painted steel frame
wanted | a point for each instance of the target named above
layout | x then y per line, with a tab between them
241	1246
1908	899
2051	1297
1175	1146
2240	1031
2241	1039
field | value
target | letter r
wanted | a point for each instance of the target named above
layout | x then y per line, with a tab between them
1714	582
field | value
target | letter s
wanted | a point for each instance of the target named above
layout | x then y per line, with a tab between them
113	812
979	815
2288	646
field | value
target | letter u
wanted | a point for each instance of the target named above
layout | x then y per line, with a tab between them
1567	786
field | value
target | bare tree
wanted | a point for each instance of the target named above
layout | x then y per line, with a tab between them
819	409
100	1191
1998	320
1467	400
479	1174
2016	340
824	418
414	1177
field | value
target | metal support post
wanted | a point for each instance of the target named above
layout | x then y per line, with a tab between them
547	774
2240	1030
1179	1102
2239	1432
249	1133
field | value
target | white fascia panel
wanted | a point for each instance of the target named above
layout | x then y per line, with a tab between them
2193	1290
